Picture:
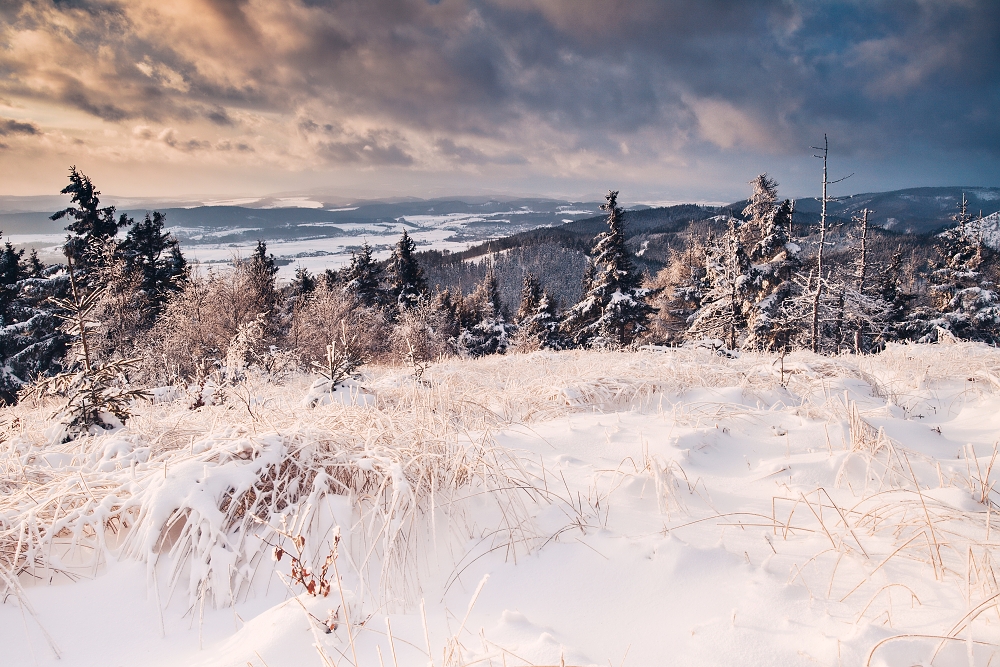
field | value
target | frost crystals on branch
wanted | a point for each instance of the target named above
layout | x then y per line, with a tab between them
342	361
97	394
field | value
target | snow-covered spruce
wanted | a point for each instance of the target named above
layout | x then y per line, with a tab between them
614	310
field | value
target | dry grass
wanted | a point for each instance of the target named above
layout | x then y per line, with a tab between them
200	493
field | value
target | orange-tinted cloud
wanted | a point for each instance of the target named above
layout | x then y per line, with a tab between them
495	87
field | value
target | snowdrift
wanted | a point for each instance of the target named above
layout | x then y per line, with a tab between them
665	506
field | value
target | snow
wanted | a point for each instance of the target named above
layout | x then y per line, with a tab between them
318	254
664	506
239	201
295	202
989	227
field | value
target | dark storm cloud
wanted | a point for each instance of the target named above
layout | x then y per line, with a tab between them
219	116
9	126
770	75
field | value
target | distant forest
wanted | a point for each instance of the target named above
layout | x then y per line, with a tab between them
124	312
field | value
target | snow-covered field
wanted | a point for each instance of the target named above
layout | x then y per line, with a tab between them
321	253
316	253
646	508
318	246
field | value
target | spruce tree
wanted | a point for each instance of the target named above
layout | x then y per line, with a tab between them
447	310
613	310
537	321
32	342
35	266
680	287
531	294
330	278
11	272
263	273
964	296
362	278
898	302
729	295
92	226
407	285
491	333
773	259
303	283
156	256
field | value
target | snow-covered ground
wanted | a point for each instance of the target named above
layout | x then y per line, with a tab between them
318	246
646	508
319	254
451	231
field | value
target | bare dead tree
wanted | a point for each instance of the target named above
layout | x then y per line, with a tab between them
791	220
862	266
823	227
862	220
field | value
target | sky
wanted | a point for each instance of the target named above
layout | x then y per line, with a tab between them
665	100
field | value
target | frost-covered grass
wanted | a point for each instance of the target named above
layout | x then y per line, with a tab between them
652	507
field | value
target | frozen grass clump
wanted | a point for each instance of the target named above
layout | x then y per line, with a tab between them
203	492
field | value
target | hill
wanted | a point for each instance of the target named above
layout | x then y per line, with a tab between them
912	211
574	508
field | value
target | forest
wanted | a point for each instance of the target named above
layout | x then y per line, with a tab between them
125	312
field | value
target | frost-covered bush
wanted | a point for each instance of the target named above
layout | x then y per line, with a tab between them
198	325
328	312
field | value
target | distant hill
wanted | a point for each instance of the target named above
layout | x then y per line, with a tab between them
912	211
506	216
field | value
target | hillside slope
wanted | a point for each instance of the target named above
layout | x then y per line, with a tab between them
646	508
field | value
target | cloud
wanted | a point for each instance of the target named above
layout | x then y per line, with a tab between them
219	116
462	154
9	126
726	126
493	84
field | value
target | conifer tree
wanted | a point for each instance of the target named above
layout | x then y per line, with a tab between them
406	279
889	286
91	225
963	294
448	315
680	286
531	294
156	256
35	267
11	273
262	269
362	278
330	278
537	321
773	259
613	310
32	342
491	333
725	303
303	283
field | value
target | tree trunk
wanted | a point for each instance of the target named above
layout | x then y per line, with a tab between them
814	343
